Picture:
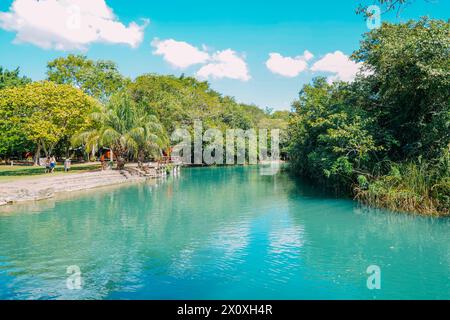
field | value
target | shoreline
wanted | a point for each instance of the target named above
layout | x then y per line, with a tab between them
47	187
44	187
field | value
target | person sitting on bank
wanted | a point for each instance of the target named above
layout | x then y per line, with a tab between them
52	164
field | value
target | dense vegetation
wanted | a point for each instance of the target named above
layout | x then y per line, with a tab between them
385	136
129	131
38	116
12	78
88	105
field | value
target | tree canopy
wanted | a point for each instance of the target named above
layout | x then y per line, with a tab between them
12	78
127	130
99	79
179	101
387	134
409	88
42	113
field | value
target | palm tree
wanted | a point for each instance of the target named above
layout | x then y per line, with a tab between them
127	130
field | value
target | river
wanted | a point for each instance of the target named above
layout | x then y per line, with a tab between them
219	233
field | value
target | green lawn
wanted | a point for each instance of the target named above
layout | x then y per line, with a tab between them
10	173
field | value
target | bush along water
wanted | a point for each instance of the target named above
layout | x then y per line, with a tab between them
384	137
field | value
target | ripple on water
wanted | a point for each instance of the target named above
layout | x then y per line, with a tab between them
219	234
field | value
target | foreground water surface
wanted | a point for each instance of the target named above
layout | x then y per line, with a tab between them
219	233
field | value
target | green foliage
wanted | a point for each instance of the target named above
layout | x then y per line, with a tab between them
46	116
175	101
43	113
12	78
331	140
409	90
421	187
386	136
99	79
178	102
12	136
129	131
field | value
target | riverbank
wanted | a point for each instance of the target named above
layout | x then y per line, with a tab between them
48	186
10	173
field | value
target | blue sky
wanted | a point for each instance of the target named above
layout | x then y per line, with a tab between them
226	42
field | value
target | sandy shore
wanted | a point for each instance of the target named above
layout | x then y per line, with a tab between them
45	187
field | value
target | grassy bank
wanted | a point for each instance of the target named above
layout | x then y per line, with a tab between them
422	188
11	173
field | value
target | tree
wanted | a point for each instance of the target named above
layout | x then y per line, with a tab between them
408	90
12	133
126	129
44	113
279	120
99	79
331	141
386	6
12	78
385	136
178	102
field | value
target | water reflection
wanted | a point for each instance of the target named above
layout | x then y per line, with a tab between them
218	233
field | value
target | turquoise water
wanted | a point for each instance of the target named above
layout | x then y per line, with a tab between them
219	233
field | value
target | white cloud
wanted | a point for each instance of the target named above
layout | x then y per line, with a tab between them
68	24
339	64
225	64
178	53
288	66
307	55
221	64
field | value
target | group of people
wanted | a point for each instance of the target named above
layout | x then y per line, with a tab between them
50	164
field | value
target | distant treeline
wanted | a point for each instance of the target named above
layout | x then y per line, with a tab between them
85	105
